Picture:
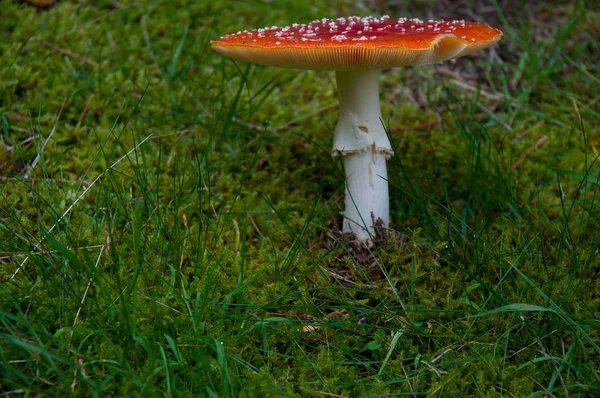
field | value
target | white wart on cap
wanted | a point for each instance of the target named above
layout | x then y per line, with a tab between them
356	48
358	43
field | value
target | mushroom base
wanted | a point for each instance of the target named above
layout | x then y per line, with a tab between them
367	197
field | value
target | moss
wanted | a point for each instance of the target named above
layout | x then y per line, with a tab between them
218	228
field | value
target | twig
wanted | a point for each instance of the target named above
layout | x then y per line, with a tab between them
182	258
69	53
87	105
535	147
255	226
340	277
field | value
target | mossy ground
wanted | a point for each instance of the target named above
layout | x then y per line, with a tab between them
168	216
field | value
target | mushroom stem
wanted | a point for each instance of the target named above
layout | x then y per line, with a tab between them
367	198
360	137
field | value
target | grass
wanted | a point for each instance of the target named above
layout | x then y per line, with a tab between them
167	216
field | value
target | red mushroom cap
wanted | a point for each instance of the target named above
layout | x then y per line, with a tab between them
358	43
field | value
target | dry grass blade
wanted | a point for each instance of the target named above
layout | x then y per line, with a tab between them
71	54
80	197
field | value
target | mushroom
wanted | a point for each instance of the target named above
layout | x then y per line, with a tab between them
356	49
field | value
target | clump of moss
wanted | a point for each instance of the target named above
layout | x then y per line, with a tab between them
165	229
